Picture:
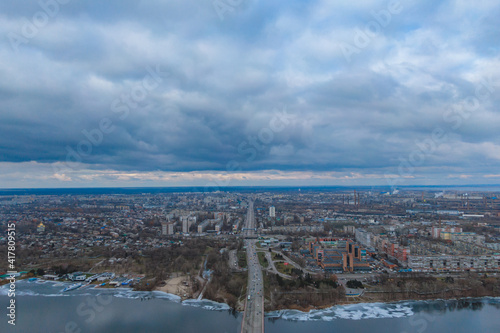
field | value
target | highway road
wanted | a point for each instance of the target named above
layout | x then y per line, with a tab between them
253	317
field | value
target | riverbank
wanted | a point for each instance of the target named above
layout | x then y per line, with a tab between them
306	295
307	300
311	308
362	300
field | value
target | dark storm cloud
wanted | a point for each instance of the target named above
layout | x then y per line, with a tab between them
222	82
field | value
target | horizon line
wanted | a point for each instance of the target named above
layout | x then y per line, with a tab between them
245	186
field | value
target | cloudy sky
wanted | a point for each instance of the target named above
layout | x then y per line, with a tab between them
249	92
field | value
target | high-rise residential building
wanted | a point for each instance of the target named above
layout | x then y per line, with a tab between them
167	228
272	211
203	225
187	222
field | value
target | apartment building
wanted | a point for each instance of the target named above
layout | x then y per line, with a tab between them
454	262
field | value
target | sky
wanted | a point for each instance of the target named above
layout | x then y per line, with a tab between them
249	92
